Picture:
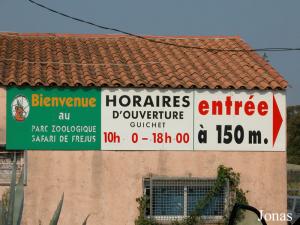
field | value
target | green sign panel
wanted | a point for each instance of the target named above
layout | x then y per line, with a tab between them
53	118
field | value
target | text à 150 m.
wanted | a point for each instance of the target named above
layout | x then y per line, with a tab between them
227	134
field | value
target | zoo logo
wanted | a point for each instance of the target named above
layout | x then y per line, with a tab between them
20	108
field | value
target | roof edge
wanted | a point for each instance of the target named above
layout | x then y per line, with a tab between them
34	34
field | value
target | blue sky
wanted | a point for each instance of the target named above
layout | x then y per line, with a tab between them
262	23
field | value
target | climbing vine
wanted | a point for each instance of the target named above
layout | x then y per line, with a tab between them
225	174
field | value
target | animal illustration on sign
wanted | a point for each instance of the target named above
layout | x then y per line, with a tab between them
20	108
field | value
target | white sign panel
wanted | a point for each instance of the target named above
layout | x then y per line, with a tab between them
239	120
165	119
146	119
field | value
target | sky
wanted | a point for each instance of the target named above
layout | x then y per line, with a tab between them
261	23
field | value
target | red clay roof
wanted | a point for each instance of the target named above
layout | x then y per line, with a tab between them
123	61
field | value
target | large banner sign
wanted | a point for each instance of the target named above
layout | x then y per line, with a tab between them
146	119
53	118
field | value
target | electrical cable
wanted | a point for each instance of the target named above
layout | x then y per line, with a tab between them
161	42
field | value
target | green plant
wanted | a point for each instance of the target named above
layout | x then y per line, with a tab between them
293	134
56	214
12	202
225	175
5	199
142	219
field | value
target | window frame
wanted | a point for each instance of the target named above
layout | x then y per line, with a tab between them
23	163
169	218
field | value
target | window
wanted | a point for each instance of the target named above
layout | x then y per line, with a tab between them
297	206
6	165
177	198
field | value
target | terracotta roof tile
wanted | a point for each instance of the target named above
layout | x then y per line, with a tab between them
118	60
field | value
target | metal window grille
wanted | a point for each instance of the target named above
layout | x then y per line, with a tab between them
6	165
176	198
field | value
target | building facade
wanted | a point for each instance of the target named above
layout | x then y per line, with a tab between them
105	178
